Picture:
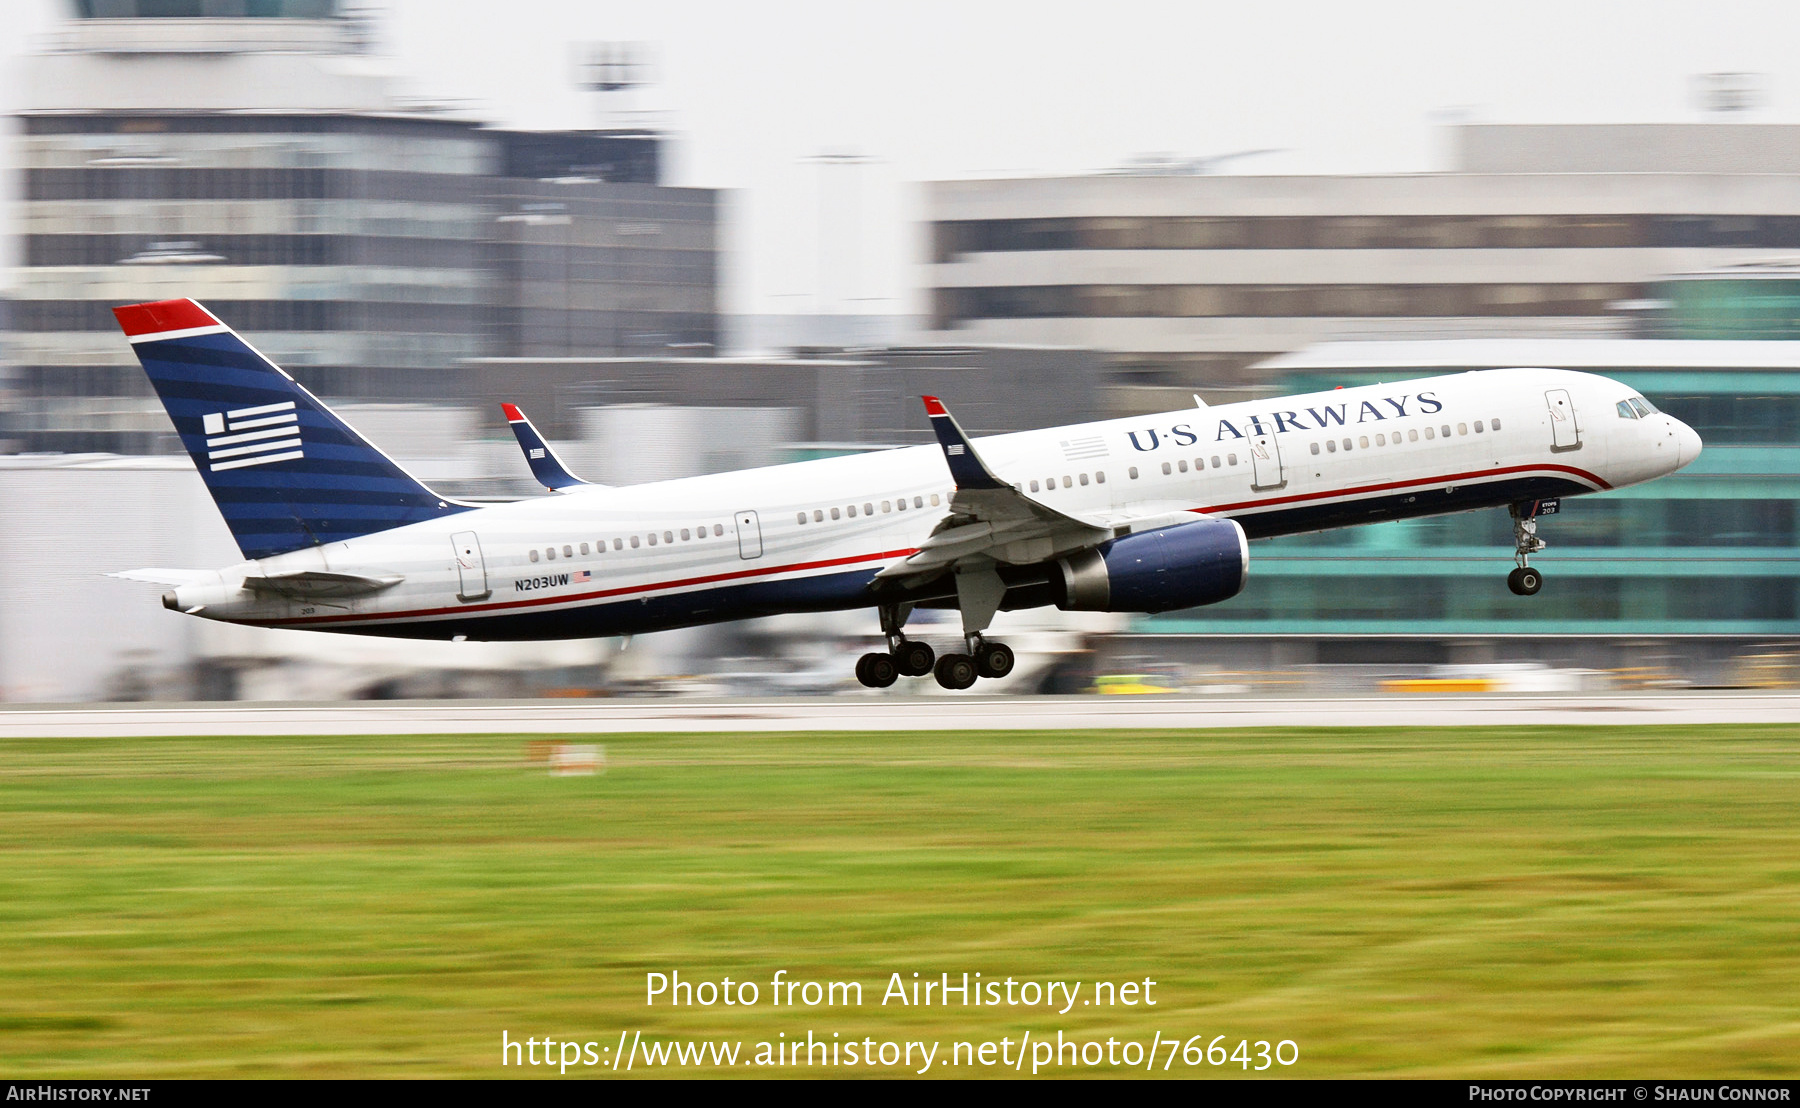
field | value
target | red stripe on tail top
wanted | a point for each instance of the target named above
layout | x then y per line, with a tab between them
513	414
163	315
934	406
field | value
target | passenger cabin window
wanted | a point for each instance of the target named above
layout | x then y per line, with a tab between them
568	552
800	518
1330	445
718	528
835	514
1181	465
818	515
868	509
533	555
1167	469
1478	427
550	553
1380	440
1315	448
852	510
619	544
934	499
652	537
668	536
684	534
1231	459
1363	441
1429	433
1215	461
1412	436
584	549
887	506
1132	473
1495	423
1034	484
1100	477
1462	428
1444	430
902	503
634	542
1084	477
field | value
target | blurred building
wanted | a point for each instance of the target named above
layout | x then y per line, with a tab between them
1752	300
250	154
1194	280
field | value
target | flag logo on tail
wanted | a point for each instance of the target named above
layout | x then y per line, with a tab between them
252	436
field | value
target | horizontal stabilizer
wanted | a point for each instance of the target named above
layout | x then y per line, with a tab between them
545	465
166	576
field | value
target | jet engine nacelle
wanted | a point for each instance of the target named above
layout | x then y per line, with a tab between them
1183	566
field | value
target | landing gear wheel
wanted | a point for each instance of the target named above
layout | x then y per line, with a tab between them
1525	581
877	671
914	658
993	659
955	671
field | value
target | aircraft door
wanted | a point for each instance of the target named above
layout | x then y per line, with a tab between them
749	535
471	567
1265	462
1565	433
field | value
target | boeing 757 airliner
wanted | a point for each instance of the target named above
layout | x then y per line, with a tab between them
1146	514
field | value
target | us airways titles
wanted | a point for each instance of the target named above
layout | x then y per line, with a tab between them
1324	417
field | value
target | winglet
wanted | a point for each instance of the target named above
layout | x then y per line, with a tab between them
545	465
966	466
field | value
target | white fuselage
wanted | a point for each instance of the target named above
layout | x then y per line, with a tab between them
812	535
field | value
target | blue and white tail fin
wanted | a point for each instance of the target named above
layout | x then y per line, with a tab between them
545	465
284	470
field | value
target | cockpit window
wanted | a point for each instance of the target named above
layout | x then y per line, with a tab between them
1644	407
1626	411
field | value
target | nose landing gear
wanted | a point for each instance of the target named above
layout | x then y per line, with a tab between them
1525	581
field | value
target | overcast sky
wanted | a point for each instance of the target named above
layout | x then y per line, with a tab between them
935	89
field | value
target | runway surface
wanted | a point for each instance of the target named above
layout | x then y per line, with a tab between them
874	714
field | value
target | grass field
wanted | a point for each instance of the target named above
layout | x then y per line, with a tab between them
1538	902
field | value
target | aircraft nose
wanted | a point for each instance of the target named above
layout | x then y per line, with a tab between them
1688	444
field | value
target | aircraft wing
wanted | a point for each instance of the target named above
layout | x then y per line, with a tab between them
990	520
545	465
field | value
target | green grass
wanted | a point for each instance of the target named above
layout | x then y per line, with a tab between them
1545	902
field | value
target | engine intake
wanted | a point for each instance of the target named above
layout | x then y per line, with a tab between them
1183	566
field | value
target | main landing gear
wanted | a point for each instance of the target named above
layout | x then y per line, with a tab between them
911	658
1525	581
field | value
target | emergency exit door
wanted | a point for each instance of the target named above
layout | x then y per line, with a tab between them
471	567
749	535
1265	463
1565	433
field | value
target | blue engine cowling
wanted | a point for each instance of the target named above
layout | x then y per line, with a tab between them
1183	566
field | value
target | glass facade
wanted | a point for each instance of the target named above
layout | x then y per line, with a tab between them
1766	307
952	239
372	256
1707	551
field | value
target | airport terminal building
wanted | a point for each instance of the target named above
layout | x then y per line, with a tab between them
257	158
1190	281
